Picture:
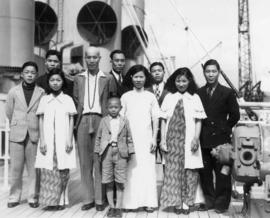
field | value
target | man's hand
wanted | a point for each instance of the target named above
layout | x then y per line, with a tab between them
153	146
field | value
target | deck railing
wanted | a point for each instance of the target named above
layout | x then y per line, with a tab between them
4	142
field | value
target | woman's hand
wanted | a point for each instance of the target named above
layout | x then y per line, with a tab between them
43	148
69	147
195	144
153	145
163	146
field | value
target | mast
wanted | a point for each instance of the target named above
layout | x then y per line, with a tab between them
244	50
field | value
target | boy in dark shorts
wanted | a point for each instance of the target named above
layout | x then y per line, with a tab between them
115	146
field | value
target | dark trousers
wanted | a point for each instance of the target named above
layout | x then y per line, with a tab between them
217	196
93	190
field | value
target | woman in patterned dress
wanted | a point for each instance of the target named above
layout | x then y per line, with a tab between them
183	112
56	154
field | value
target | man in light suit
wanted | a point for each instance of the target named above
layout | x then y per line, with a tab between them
158	88
91	92
21	106
222	112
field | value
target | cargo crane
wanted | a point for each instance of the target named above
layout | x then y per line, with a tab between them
247	89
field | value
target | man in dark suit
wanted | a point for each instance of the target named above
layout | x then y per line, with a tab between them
117	73
222	112
157	72
53	60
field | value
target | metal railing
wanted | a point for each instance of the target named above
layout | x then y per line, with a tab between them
4	151
4	142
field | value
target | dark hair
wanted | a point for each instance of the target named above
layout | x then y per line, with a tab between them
127	82
30	63
211	62
54	52
117	51
113	97
170	84
56	71
156	64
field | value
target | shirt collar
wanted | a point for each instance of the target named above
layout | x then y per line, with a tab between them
116	75
59	97
116	118
184	95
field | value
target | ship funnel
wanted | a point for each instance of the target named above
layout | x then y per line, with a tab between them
45	23
130	42
97	23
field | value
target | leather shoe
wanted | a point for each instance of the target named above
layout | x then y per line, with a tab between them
219	211
100	207
178	210
88	206
118	213
34	205
50	208
149	209
111	212
203	207
61	207
185	211
12	204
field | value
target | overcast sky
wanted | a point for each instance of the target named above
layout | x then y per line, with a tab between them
212	21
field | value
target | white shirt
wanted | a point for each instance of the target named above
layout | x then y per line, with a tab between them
92	93
114	124
56	111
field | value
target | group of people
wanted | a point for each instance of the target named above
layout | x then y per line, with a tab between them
122	123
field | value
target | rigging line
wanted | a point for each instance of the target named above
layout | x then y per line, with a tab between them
135	16
138	35
206	55
157	44
186	24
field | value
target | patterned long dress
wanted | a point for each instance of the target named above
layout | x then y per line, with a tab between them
179	185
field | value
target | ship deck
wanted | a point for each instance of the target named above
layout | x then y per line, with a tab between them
73	210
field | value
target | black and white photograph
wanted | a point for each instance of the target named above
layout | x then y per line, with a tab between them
134	109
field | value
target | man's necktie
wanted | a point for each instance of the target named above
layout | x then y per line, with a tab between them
157	92
209	92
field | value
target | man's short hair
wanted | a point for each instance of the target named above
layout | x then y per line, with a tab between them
156	64
30	63
54	52
117	51
211	62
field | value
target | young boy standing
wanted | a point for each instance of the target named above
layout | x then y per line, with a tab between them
115	146
21	106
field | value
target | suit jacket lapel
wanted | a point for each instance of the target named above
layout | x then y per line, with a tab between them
107	122
81	83
36	95
122	124
216	95
101	84
21	96
161	98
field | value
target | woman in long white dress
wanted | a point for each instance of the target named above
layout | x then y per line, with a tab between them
142	110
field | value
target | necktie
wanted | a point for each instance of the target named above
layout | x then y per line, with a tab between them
157	92
209	92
